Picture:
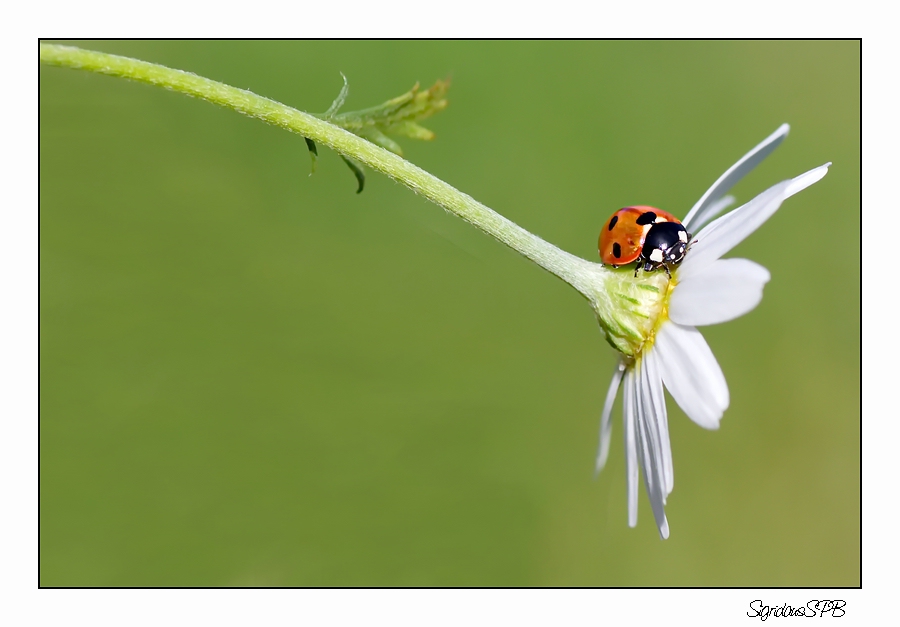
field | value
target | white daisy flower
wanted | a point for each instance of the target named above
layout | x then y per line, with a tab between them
658	337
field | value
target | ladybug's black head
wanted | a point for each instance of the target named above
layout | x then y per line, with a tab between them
664	245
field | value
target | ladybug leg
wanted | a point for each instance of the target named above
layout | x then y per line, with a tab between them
636	268
666	268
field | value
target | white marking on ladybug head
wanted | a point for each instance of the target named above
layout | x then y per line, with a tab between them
682	235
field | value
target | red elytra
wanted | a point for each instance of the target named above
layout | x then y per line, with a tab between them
622	237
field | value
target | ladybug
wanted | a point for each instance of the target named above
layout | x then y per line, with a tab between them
652	237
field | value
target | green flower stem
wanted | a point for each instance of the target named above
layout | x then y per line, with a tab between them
588	278
626	307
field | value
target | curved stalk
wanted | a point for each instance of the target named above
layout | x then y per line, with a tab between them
580	274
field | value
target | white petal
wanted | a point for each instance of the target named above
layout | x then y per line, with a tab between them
648	454
691	374
654	490
728	231
631	469
799	183
655	399
649	451
605	422
723	290
709	213
700	213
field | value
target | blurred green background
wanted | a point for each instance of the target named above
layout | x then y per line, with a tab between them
250	376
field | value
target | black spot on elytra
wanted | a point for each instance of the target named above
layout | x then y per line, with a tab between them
612	223
646	218
617	250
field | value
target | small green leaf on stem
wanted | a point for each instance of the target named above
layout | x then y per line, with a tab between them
339	101
380	139
313	153
357	172
397	116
